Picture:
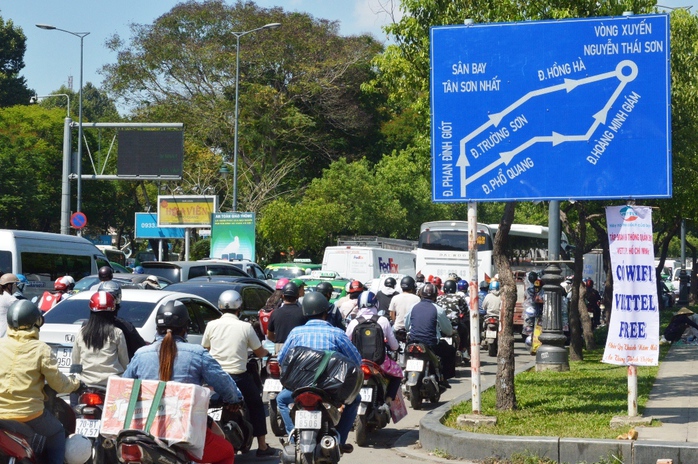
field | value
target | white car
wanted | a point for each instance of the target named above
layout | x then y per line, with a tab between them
137	306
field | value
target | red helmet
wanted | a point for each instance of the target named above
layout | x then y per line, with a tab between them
281	283
356	287
60	285
102	301
437	281
589	283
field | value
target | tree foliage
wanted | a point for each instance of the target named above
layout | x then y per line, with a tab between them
13	45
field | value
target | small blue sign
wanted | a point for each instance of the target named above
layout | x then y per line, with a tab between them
147	227
78	220
551	110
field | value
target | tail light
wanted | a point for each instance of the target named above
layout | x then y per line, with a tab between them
492	320
91	399
131	454
366	370
274	369
416	349
307	400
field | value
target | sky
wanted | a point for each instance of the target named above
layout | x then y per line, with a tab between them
52	57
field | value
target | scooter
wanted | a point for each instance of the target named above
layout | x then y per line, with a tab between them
373	413
272	388
315	439
235	424
491	331
422	376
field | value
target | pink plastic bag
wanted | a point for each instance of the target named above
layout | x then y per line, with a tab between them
391	368
398	410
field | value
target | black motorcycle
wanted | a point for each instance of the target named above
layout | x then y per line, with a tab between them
421	375
373	413
272	388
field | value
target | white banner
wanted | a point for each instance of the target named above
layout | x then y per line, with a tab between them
633	335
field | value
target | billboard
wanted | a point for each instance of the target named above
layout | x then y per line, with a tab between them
186	210
150	153
147	228
233	236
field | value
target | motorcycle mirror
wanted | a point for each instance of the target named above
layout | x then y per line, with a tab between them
76	368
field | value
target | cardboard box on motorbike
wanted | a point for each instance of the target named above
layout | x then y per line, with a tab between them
181	415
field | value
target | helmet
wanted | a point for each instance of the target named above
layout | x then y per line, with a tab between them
325	288
429	292
532	276
314	303
420	277
138	270
23	315
60	285
347	287
105	273
112	287
69	281
407	284
589	283
299	282
172	315
152	279
390	282
367	299
102	301
494	285
356	287
453	276
462	285
450	286
8	278
281	283
78	449
229	300
437	281
484	285
291	290
22	282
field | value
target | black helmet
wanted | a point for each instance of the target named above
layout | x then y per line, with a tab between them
314	303
429	292
105	273
291	290
420	277
325	288
532	276
23	315
450	286
484	285
407	284
112	287
390	282
172	315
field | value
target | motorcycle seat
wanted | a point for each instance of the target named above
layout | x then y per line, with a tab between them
36	441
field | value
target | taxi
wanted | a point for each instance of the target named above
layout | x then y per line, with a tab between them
339	284
298	268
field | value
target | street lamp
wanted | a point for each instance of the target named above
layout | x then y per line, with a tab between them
81	35
235	132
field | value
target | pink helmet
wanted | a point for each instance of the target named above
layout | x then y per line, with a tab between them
281	283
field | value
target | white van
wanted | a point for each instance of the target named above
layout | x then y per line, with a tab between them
43	257
367	263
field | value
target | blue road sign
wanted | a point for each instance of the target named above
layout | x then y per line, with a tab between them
551	110
147	227
78	220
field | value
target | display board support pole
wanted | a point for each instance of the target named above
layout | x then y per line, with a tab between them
186	244
474	308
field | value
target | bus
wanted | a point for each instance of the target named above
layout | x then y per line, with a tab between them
113	254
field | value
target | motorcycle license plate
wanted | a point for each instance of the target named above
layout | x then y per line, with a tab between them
308	419
64	356
491	334
215	413
87	427
273	385
447	339
414	365
366	395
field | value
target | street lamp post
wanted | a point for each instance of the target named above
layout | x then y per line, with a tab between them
235	131
81	35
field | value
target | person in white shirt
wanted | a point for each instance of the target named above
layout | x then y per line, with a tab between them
8	285
401	304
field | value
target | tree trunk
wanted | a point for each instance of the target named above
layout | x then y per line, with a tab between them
607	287
506	395
587	326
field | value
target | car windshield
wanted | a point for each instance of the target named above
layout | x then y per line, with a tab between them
85	283
288	272
169	272
77	311
209	292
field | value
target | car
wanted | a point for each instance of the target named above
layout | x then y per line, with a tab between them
63	321
180	271
118	268
338	284
290	270
125	280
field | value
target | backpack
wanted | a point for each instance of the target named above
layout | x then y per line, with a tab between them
369	340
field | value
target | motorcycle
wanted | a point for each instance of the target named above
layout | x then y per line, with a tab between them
454	340
272	388
315	439
373	413
235	424
491	331
422	377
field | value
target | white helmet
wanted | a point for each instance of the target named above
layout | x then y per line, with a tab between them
78	449
230	300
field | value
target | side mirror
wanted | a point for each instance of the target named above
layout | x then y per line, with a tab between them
76	368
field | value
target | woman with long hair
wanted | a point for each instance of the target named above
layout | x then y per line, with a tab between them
170	357
100	347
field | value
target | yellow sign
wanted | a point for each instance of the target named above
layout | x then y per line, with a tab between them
186	211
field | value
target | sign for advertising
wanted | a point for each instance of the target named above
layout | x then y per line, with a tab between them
147	228
233	236
551	110
633	335
186	210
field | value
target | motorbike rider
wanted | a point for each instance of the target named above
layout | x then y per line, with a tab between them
134	340
318	334
170	357
26	365
368	309
401	304
492	304
457	310
351	306
228	339
592	299
7	288
385	295
288	316
22	282
334	316
483	290
105	273
100	346
438	283
462	289
419	283
426	323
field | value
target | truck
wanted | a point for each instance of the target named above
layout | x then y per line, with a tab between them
366	263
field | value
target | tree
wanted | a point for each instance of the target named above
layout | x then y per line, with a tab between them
13	87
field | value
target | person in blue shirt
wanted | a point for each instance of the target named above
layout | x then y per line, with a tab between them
318	334
170	357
